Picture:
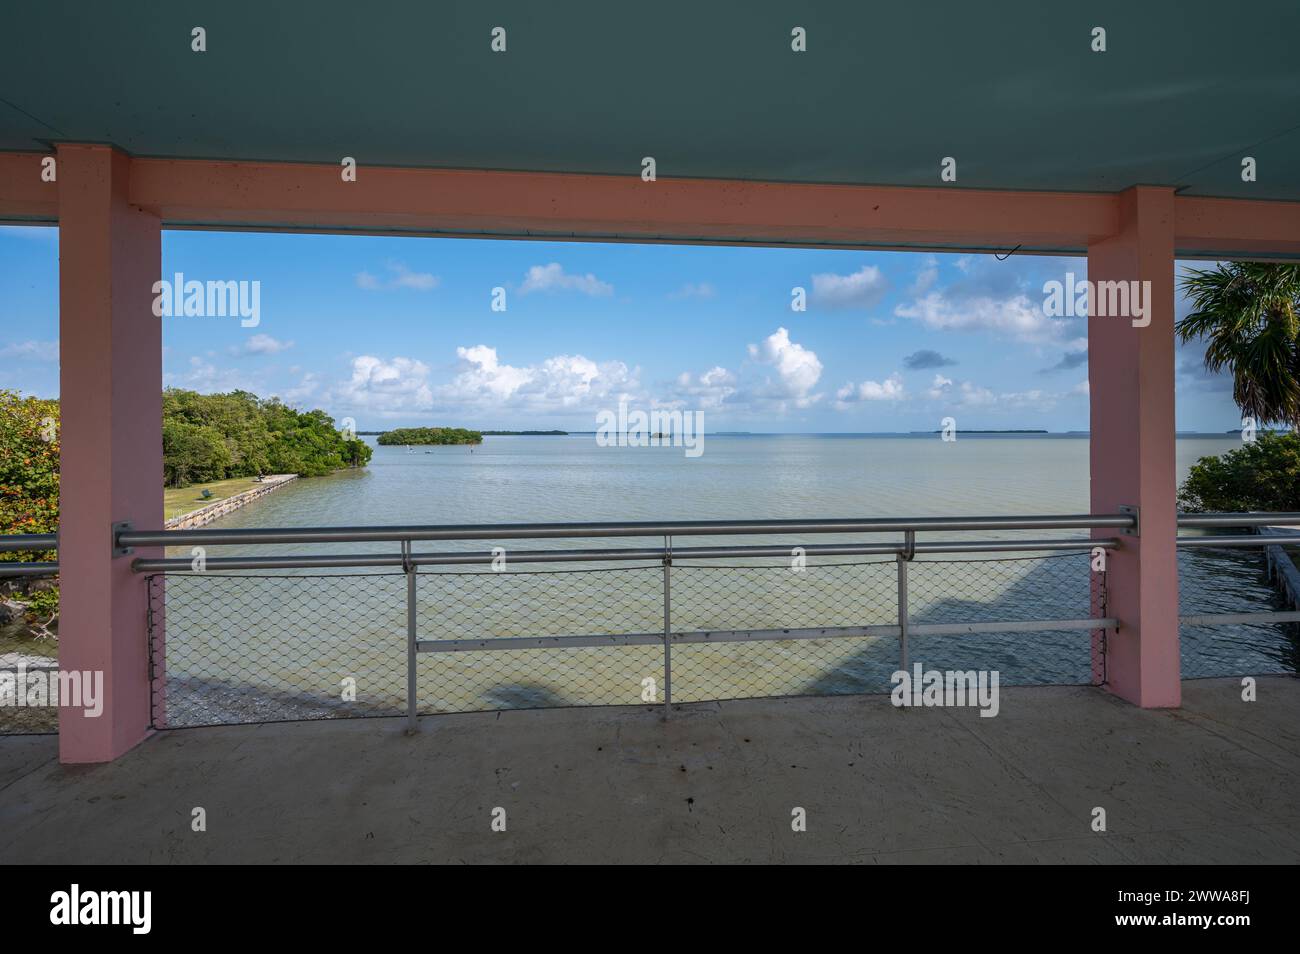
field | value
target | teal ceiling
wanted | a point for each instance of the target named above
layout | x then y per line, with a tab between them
1010	89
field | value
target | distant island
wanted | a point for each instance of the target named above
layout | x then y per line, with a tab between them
524	433
431	435
957	430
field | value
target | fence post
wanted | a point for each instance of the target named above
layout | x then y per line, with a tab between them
668	624
412	696
903	559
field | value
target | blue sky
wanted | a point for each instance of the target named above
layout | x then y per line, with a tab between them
400	331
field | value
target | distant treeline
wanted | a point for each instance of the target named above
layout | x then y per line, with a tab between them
526	433
218	436
431	435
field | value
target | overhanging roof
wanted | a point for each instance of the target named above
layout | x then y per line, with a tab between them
1011	90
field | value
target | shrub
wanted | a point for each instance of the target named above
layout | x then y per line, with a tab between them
1262	475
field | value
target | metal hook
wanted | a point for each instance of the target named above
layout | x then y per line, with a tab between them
1003	258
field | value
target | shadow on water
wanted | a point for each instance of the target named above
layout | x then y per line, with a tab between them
1233	581
1224	581
522	696
1054	587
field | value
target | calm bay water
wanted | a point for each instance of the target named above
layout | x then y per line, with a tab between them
292	636
546	479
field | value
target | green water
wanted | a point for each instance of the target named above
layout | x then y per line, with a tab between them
282	645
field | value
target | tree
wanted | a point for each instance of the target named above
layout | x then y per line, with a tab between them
1250	312
29	469
1262	475
193	453
217	436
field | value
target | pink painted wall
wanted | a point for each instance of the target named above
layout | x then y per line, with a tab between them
110	383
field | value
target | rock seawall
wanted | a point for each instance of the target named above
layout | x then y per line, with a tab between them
213	511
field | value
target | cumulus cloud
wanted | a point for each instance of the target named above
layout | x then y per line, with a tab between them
926	358
559	383
990	296
552	277
261	344
1015	317
862	289
797	369
890	389
702	391
396	386
399	277
967	394
205	377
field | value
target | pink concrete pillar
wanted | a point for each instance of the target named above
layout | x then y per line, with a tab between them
1131	382
110	392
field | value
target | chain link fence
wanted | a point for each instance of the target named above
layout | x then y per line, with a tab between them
1232	580
252	647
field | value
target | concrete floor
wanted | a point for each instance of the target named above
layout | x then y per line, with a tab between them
1216	781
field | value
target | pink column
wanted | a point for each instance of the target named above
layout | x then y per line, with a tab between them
1131	382
110	392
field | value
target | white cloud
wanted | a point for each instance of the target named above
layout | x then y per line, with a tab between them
261	344
702	391
32	350
967	394
798	369
402	277
559	383
927	276
939	387
397	386
863	289
1015	316
306	390
890	389
552	277
206	378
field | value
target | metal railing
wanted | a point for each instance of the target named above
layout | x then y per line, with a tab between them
667	554
33	542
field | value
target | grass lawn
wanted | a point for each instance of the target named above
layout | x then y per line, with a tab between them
177	501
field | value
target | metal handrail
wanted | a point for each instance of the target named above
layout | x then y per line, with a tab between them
1238	519
652	554
507	531
516	531
10	542
539	531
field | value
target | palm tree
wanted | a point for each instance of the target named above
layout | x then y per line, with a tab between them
1250	312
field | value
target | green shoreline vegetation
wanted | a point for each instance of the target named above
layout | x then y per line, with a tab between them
214	437
430	435
221	441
